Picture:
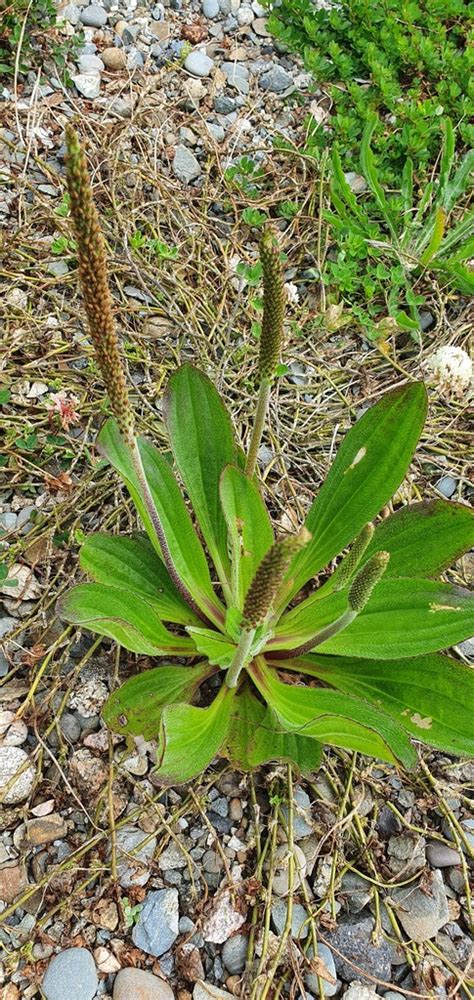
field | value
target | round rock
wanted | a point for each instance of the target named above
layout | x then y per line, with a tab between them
441	856
94	16
198	63
114	58
234	953
72	972
210	9
276	80
12	760
135	984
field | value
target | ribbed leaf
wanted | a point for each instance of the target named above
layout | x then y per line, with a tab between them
133	565
249	527
308	618
332	717
407	618
136	708
256	736
203	444
191	737
124	616
369	466
432	697
218	650
185	548
424	538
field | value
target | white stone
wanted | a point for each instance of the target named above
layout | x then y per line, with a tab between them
223	921
12	760
245	15
88	84
26	588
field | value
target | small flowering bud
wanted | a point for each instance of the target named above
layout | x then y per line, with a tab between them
273	306
269	577
92	261
349	564
366	579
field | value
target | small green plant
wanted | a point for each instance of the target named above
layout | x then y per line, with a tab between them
28	30
384	245
409	60
246	176
130	913
254	217
354	663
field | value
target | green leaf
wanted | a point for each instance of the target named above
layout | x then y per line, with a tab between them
369	466
132	564
136	707
249	527
123	616
369	171
432	696
218	650
191	737
306	619
203	444
407	618
187	554
424	538
334	718
436	237
256	736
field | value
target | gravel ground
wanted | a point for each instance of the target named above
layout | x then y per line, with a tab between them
110	887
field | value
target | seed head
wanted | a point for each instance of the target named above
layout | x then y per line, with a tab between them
269	577
273	306
349	564
366	579
92	261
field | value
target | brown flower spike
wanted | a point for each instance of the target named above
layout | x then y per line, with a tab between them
269	577
92	260
273	306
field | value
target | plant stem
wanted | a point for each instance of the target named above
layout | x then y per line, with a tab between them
240	659
326	633
158	528
259	424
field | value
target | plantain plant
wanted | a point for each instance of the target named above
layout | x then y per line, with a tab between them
266	654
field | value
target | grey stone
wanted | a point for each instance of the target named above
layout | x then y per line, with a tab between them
135	58
311	979
90	64
135	984
8	521
356	890
234	954
299	919
71	972
217	132
356	182
447	486
70	13
88	84
157	926
207	991
353	939
134	851
237	76
276	80
171	858
210	9
441	856
185	165
467	648
24	515
245	16
421	912
94	16
224	105
229	6
388	823
302	825
7	625
359	991
407	853
198	63
70	727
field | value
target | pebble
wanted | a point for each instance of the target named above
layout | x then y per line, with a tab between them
447	486
185	165
90	63
302	825
206	991
134	852
224	105
276	80
13	880
73	967
43	830
88	84
198	63
441	856
234	954
237	76
421	911
114	58
58	268
210	9
172	858
11	760
135	984
70	13
280	879
356	182
353	939
245	15
260	27
70	727
7	625
94	16
8	521
157	925
87	773
311	979
359	991
223	921
299	919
